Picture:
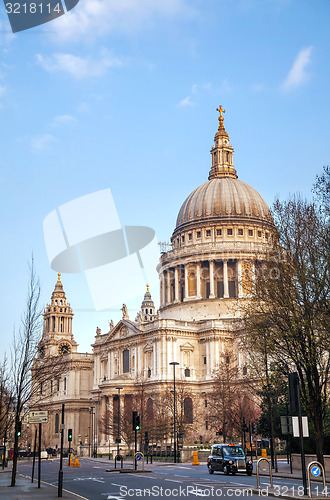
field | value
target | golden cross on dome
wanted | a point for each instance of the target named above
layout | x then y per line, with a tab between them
59	277
221	118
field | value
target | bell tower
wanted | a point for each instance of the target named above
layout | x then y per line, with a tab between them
57	337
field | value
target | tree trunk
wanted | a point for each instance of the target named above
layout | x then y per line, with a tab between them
13	474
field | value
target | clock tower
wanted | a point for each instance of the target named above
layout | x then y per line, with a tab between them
57	337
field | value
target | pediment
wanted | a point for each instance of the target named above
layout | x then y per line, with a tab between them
187	347
123	329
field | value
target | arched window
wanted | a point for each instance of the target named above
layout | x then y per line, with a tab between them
57	423
65	383
188	410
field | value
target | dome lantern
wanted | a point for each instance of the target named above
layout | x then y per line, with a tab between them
222	153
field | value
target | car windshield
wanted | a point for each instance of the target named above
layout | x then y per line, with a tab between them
233	451
217	451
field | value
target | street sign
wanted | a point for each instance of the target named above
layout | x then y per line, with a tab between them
295	425
138	457
316	471
286	425
38	417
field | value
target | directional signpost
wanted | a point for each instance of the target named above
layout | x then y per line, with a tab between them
38	417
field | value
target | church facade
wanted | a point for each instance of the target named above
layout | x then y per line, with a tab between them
221	236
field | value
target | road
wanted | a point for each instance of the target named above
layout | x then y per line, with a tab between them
92	482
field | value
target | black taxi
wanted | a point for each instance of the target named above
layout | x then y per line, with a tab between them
229	458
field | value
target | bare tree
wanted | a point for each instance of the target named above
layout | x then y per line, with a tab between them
290	305
230	400
28	374
24	350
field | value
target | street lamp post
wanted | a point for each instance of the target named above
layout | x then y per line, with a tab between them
174	363
118	433
91	409
95	425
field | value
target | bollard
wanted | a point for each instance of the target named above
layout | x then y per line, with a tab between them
263	453
70	462
76	462
195	458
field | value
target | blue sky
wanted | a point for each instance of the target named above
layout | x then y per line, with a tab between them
122	94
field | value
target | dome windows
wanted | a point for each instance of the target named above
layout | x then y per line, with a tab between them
229	231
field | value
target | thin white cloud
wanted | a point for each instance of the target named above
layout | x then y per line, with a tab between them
63	120
42	142
78	67
2	90
196	90
186	102
93	18
297	74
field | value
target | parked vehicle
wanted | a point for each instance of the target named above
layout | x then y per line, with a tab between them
229	458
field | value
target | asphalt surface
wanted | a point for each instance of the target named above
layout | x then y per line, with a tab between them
92	482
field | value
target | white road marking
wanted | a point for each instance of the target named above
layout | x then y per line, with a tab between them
180	475
115	484
173	480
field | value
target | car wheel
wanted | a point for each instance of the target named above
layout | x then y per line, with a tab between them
211	470
226	471
233	473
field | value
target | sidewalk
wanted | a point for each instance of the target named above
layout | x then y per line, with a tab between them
25	489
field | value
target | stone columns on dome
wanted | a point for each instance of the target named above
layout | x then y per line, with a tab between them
239	279
225	280
168	287
198	280
211	267
162	287
185	282
176	284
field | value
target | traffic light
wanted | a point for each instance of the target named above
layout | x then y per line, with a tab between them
19	429
70	435
253	428
201	439
146	437
136	421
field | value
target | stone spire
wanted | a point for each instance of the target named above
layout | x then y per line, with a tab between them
222	152
147	307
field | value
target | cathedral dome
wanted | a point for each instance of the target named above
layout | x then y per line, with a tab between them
221	199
